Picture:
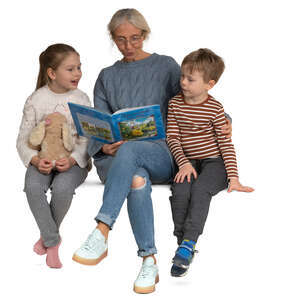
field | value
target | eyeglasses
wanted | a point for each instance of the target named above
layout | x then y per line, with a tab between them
133	40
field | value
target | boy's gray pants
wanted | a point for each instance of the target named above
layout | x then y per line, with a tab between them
50	215
190	200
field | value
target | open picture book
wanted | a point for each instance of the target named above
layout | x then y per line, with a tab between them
138	123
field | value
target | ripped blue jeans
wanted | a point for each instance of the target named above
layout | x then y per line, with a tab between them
145	159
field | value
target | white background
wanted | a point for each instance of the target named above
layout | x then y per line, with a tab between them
250	248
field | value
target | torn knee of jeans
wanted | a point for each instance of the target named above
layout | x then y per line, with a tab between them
138	182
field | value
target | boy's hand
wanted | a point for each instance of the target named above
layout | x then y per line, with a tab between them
235	185
186	171
227	129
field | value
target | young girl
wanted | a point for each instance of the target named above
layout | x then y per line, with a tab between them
59	75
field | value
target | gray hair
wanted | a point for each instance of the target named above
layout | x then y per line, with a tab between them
130	15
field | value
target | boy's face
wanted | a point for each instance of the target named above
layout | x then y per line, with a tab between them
193	85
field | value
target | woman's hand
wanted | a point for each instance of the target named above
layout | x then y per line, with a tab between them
227	129
44	165
111	149
235	185
65	164
186	171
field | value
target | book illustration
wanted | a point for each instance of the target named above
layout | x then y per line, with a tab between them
95	127
137	123
138	128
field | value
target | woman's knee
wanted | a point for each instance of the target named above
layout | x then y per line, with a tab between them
138	182
127	151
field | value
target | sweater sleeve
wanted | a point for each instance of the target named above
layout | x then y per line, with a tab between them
27	124
173	138
225	145
79	152
174	78
101	103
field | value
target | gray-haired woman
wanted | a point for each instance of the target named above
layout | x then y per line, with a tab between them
129	168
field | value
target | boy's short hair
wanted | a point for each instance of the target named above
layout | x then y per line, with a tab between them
205	61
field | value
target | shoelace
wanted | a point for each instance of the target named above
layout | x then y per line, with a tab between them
91	242
145	271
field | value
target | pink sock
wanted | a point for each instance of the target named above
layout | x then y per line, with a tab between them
52	259
39	247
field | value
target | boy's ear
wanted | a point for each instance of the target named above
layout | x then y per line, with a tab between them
51	73
211	84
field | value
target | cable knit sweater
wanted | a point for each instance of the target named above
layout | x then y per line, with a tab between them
153	80
41	103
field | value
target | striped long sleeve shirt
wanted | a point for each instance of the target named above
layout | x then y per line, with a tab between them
194	132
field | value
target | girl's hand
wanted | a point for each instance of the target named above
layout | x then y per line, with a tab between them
44	165
186	171
65	164
235	185
111	149
227	129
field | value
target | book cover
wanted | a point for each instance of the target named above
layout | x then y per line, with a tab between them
138	123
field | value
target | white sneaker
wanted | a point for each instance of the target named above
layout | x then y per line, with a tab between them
93	250
147	278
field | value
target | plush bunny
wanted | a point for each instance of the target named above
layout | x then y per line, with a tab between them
52	138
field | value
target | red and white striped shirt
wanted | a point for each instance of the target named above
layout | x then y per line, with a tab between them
194	132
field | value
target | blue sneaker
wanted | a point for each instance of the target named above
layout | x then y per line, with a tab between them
178	271
183	258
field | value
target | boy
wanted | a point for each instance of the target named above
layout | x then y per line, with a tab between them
205	157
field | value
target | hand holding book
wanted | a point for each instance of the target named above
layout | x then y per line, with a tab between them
111	149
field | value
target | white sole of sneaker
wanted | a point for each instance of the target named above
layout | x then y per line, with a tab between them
148	289
89	262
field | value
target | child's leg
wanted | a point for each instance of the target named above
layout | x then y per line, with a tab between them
180	200
211	180
36	186
62	189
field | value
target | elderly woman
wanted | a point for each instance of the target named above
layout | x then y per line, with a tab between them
129	168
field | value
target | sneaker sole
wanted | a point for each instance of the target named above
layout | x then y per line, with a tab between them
183	274
148	289
89	262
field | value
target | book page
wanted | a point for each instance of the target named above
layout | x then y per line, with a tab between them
141	127
93	127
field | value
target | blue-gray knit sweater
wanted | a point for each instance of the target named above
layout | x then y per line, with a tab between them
153	80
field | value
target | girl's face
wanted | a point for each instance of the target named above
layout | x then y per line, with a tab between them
67	75
129	40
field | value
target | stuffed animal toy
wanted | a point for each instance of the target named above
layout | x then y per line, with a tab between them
52	138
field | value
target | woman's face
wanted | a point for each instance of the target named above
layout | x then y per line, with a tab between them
129	40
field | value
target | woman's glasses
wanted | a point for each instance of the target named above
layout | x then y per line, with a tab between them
133	40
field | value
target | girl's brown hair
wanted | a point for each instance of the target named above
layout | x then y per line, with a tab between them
52	58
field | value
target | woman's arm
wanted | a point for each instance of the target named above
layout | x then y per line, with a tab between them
174	78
